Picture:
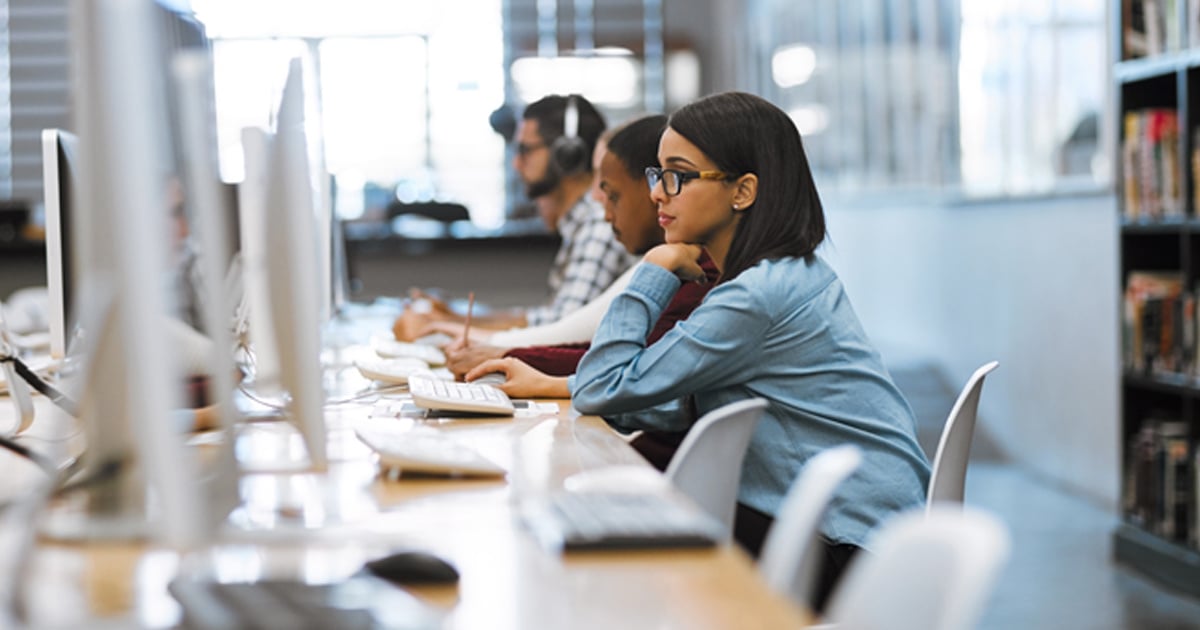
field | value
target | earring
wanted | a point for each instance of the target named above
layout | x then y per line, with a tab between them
735	206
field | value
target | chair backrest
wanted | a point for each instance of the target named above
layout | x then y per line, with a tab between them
926	571
791	552
708	464
950	462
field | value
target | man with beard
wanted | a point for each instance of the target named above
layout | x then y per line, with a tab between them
555	141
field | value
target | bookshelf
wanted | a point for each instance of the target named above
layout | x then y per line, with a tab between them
1157	77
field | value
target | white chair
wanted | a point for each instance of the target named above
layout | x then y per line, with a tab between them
950	462
708	464
791	552
926	571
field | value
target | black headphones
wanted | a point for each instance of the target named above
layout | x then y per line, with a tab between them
569	153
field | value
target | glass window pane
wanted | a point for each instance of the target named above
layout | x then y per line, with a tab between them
374	113
248	81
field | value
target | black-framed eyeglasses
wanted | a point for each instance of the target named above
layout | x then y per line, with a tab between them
673	179
524	150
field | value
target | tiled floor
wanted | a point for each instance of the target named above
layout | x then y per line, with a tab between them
1061	574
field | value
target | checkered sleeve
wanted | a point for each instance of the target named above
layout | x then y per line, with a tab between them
596	259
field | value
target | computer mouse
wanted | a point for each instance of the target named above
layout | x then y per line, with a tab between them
492	378
618	479
413	567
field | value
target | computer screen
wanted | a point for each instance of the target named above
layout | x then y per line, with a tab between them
145	481
60	175
294	248
278	214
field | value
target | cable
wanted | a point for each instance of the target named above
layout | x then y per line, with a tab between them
328	403
366	394
102	472
33	456
35	381
260	401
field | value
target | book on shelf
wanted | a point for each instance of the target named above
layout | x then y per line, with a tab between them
1158	324
1196	162
1159	491
1177	482
1150	169
1150	27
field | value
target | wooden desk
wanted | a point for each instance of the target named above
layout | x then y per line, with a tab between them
322	527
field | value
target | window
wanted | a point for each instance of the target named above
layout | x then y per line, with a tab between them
1032	87
402	108
988	97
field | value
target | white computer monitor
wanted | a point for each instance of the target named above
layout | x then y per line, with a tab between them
280	250
209	210
60	175
144	479
253	222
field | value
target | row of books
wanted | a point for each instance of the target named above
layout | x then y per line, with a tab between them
1151	27
1161	491
1150	168
1159	325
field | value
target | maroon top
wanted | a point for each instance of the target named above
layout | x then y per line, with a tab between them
563	360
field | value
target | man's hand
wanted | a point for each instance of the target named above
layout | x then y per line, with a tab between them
429	303
411	325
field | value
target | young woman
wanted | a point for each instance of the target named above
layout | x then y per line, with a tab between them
735	182
633	216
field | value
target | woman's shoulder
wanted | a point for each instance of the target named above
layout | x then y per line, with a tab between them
789	274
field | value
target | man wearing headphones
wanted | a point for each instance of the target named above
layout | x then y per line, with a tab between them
554	144
554	141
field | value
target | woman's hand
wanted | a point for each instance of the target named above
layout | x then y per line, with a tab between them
522	381
680	259
462	356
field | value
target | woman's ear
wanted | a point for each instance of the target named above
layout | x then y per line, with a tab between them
745	191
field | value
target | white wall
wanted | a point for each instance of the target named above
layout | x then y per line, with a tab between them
1031	283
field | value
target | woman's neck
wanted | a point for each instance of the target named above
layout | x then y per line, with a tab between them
718	249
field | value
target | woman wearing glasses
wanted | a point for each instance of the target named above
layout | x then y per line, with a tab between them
734	181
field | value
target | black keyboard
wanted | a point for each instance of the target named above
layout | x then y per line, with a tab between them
360	602
595	520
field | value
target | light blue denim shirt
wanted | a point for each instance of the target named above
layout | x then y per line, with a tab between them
782	330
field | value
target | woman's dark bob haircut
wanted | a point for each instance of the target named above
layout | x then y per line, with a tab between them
742	133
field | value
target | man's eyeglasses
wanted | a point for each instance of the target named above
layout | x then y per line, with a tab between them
524	150
673	180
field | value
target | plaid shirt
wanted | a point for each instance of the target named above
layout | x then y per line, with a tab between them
588	260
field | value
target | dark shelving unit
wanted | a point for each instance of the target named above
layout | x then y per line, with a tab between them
1170	80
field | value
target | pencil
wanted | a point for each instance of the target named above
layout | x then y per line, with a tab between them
466	334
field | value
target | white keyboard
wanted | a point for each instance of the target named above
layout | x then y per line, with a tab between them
393	371
429	453
392	349
431	393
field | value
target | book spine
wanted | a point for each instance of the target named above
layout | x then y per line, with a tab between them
1129	165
